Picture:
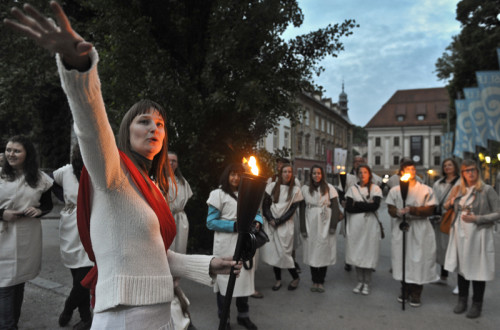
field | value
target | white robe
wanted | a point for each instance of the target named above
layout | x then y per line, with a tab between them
471	251
21	239
320	247
225	245
73	254
420	240
177	204
363	230
278	251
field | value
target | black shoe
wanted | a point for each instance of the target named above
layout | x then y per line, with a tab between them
294	284
347	267
83	325
245	321
65	317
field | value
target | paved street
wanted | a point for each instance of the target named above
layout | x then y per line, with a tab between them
337	308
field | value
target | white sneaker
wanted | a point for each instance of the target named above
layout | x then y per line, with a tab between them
366	290
358	288
455	291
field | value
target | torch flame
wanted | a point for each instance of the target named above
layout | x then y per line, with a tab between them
406	177
252	163
342	173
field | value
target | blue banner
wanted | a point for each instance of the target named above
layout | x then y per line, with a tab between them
446	145
489	85
478	117
464	131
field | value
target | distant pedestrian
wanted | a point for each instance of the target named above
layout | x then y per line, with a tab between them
319	217
24	197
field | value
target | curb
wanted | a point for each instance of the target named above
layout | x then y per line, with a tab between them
51	286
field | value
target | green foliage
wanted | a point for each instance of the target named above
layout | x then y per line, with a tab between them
219	67
474	48
360	135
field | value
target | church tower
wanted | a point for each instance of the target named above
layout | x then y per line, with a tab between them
343	102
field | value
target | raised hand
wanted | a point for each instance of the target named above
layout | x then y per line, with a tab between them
60	38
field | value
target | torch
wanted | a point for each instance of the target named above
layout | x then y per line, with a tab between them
342	176
404	184
250	194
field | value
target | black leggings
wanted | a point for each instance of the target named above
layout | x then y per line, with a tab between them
292	271
478	288
318	274
79	297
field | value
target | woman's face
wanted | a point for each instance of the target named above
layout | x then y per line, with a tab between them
286	174
172	159
316	175
147	132
448	168
412	171
364	176
234	180
15	154
470	175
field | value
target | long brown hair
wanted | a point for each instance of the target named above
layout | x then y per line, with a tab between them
30	167
160	167
277	187
463	183
323	186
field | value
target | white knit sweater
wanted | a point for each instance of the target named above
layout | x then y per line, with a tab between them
133	267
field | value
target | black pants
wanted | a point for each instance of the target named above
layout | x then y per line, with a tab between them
79	297
11	300
241	305
318	274
478	288
292	271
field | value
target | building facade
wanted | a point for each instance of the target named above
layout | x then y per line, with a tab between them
409	125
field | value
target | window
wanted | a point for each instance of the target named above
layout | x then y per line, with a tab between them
317	146
316	119
307	145
377	142
299	143
322	125
437	160
395	160
286	139
306	117
333	129
416	149
400	118
377	160
306	174
420	117
299	174
276	139
396	141
437	140
441	115
328	127
323	147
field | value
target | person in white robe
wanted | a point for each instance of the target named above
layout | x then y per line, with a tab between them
319	215
420	258
24	197
73	254
363	228
222	219
471	247
178	195
281	200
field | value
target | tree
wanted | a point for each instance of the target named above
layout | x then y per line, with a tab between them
220	67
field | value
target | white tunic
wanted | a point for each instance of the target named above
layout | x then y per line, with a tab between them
320	247
177	204
363	230
225	244
21	239
440	190
73	254
420	239
471	251
278	251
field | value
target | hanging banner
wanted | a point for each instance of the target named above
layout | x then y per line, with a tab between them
489	86
464	130
478	116
329	161
446	146
339	160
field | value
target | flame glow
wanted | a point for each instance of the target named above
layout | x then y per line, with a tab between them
252	163
406	177
342	173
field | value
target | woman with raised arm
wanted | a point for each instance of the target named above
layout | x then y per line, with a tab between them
319	215
124	220
471	248
24	197
363	228
280	202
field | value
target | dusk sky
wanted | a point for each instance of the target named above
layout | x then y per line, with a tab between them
395	48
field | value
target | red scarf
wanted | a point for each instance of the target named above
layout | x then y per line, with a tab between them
148	190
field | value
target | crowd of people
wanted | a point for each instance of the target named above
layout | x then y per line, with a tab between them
125	200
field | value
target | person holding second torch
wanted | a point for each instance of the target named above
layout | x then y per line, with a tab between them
420	264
